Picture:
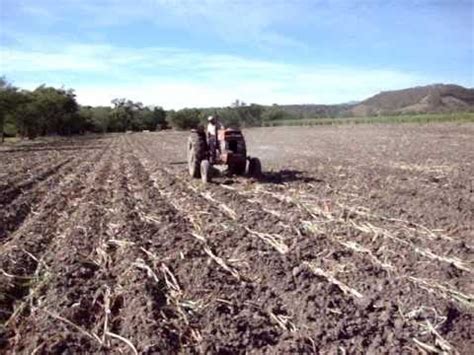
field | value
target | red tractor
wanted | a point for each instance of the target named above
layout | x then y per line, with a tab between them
230	151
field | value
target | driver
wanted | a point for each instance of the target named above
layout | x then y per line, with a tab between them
212	127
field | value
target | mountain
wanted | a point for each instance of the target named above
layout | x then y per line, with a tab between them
436	98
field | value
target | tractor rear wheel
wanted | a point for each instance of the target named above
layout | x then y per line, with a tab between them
197	152
255	168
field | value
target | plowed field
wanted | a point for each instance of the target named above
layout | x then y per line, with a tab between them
357	239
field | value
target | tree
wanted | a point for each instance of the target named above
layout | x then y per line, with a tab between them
274	113
48	110
126	115
236	116
153	119
238	103
96	119
10	99
185	119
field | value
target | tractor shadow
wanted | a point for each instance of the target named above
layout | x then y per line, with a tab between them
284	176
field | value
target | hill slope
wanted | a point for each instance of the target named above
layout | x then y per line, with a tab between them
436	98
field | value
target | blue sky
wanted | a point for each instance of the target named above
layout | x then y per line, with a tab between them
207	53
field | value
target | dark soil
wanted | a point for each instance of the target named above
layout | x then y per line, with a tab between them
356	239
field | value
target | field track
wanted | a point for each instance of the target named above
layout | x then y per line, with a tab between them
357	239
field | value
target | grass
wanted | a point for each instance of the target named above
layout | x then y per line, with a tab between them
415	118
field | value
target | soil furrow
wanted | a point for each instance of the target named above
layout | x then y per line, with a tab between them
388	242
12	190
352	268
213	292
24	174
22	256
15	212
278	274
354	241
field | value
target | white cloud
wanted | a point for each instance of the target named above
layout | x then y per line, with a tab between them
237	20
176	78
38	61
240	21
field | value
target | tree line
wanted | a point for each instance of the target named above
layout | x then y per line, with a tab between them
55	111
237	115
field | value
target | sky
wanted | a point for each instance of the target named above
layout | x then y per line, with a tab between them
203	53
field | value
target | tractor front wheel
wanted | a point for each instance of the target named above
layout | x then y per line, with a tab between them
238	168
206	171
255	168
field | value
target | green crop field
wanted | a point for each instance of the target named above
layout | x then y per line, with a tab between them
415	118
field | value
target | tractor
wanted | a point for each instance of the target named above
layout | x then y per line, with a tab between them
230	152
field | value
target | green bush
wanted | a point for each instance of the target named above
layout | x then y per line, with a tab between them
185	119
